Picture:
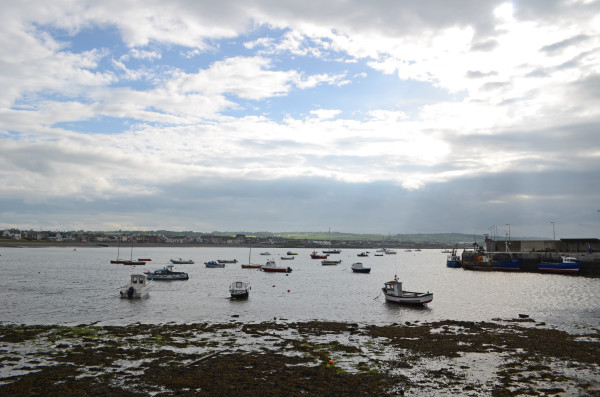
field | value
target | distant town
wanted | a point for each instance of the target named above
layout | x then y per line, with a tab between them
300	240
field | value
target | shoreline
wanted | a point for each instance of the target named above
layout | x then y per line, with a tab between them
502	357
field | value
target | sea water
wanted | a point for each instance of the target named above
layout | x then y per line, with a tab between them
59	285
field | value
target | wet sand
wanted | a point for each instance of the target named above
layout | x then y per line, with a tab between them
495	358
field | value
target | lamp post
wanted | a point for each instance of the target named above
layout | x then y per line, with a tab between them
553	233
508	224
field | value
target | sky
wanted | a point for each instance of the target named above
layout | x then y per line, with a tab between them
258	115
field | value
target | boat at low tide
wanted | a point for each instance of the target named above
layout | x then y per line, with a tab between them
567	265
239	289
273	268
137	288
358	267
166	274
394	293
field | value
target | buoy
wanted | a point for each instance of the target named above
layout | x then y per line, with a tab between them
330	361
288	290
273	285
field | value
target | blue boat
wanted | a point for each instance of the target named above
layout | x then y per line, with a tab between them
166	274
568	265
453	260
214	264
503	261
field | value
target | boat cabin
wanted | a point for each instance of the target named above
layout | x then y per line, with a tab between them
138	280
393	287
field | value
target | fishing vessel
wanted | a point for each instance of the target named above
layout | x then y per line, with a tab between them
239	289
453	260
137	288
316	255
567	265
358	267
273	268
393	292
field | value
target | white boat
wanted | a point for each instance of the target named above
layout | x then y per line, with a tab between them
180	261
358	267
394	293
390	252
239	289
138	287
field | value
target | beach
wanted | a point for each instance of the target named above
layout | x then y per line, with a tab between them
503	357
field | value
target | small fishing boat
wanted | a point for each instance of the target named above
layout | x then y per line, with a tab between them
316	255
394	293
330	262
227	260
180	261
137	288
273	268
292	253
359	268
567	265
453	260
287	258
166	274
239	289
363	254
214	264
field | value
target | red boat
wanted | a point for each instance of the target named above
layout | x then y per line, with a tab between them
316	255
145	259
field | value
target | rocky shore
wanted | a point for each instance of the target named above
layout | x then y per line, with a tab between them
495	358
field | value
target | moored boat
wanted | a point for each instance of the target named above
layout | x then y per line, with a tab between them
227	260
394	293
214	264
334	251
567	265
287	258
265	253
273	268
358	267
166	274
180	261
363	254
251	266
453	260
292	253
138	287
316	255
330	262
239	289
145	259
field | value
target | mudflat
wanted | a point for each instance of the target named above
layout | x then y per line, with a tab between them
280	358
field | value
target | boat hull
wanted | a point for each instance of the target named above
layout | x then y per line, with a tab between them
409	298
239	295
559	268
363	270
168	277
453	263
276	269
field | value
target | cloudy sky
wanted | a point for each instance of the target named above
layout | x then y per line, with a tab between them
259	115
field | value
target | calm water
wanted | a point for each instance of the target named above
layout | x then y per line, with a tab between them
63	286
